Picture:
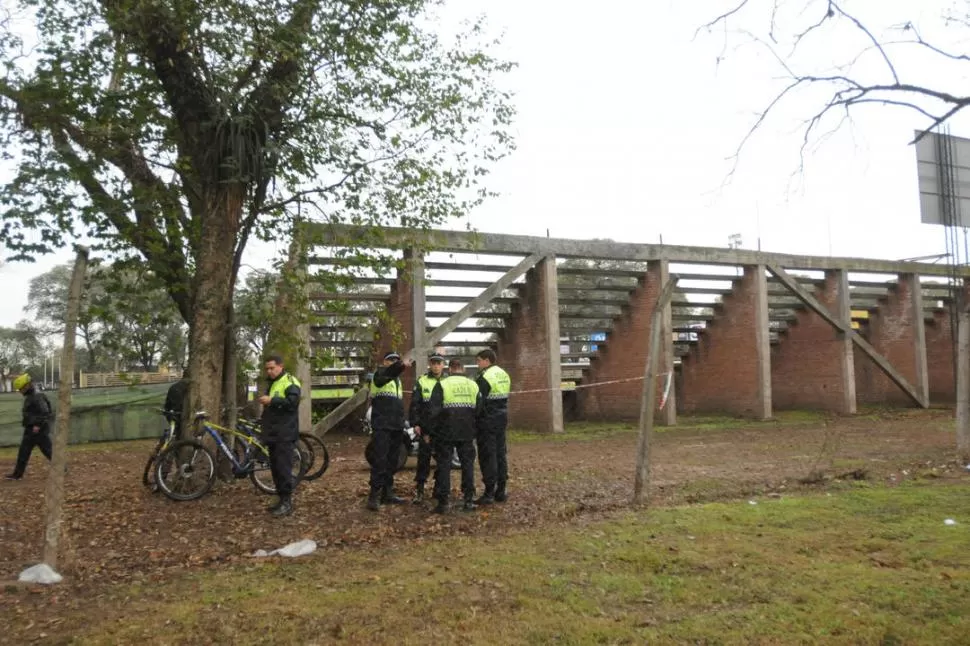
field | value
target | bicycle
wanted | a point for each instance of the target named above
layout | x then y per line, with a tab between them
251	459
148	477
308	443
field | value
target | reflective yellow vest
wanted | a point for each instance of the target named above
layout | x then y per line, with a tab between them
278	387
390	389
500	384
459	392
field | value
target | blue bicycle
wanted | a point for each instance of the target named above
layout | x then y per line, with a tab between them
187	469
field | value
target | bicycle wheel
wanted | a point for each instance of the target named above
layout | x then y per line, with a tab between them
320	457
262	475
185	470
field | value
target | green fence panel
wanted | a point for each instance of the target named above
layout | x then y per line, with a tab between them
97	414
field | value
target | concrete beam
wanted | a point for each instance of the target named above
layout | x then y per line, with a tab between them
504	244
838	324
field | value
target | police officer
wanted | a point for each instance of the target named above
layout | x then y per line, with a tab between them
494	384
37	413
281	429
422	423
454	406
387	421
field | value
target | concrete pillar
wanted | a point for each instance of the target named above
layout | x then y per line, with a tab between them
811	366
668	416
528	349
845	345
763	407
305	375
729	371
418	307
624	355
922	383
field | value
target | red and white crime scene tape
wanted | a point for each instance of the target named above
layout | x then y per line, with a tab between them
663	400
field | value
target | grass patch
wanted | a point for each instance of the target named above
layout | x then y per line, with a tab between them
598	430
873	565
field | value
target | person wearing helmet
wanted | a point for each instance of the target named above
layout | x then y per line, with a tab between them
37	414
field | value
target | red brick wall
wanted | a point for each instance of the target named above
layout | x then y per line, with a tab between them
891	332
523	352
721	372
806	366
624	356
398	335
939	359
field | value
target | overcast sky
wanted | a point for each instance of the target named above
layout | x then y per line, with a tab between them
625	123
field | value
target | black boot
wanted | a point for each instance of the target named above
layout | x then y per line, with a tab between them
500	495
419	494
374	500
469	505
13	476
441	508
285	508
487	497
276	505
388	497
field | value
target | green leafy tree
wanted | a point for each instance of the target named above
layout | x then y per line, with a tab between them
174	131
47	304
126	316
20	350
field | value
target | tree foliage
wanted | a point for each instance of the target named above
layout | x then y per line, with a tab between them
20	350
174	131
125	316
872	64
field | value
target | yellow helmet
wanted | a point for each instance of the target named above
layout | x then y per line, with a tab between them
21	381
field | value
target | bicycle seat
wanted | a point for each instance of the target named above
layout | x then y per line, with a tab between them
201	415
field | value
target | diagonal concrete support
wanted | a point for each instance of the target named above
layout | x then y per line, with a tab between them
433	338
863	345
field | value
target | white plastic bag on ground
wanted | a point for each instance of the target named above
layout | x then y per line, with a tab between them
299	548
40	573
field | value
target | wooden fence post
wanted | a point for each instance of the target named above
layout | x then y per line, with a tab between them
649	393
54	496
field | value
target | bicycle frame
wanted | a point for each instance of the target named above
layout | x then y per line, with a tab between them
250	441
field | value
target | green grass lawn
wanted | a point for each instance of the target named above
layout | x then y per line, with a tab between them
867	565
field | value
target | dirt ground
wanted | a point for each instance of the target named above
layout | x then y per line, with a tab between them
118	532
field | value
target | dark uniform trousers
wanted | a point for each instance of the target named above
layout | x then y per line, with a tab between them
493	458
387	444
41	439
442	476
424	461
281	465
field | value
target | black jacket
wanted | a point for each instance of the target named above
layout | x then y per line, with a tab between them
419	414
452	424
37	411
387	413
177	393
281	417
495	412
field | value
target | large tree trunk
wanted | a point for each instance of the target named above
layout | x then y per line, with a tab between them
212	293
